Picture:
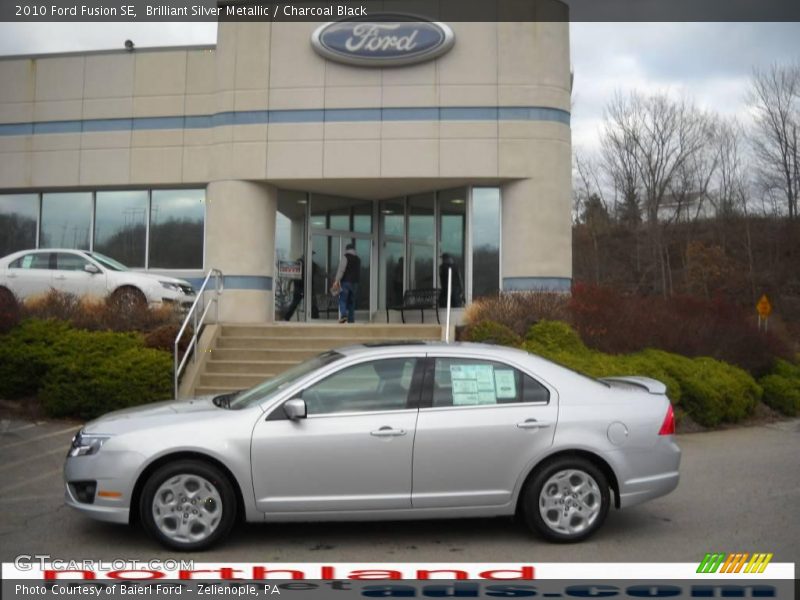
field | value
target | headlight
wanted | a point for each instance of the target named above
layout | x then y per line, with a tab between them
85	444
173	287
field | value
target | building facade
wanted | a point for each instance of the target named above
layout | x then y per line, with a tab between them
264	156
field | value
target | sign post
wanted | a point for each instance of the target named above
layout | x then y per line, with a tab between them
764	309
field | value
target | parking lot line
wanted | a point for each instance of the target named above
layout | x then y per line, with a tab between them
21	484
41	437
18	429
22	461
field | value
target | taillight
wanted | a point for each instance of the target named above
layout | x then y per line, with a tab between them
668	426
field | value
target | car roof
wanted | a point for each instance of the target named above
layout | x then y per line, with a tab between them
389	347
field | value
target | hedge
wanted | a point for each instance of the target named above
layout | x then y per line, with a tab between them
708	390
782	388
79	373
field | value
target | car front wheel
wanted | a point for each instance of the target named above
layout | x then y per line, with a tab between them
188	505
566	500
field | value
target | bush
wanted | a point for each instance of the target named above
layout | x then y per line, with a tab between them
88	386
518	310
9	310
99	315
782	388
708	390
81	373
27	352
612	322
489	332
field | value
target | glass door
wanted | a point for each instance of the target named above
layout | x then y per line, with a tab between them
327	251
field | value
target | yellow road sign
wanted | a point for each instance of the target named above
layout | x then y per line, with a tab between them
764	307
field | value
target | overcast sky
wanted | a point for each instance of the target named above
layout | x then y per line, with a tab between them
709	63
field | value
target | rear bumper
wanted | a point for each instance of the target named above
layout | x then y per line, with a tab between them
661	463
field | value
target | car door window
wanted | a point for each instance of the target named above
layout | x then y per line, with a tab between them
38	260
70	262
472	382
372	386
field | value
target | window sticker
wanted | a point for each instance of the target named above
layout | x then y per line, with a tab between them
473	384
27	261
505	384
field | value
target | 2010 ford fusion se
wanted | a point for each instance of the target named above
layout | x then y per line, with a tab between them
383	431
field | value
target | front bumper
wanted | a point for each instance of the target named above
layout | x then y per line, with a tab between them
115	474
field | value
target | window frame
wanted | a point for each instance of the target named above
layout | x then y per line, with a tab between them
412	401
426	399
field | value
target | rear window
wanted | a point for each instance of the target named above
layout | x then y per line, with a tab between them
38	260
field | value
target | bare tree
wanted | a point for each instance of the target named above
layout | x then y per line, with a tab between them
653	147
775	99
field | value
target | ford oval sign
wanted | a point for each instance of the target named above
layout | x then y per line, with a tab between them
387	41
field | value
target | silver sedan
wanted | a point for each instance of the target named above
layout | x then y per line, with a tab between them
383	431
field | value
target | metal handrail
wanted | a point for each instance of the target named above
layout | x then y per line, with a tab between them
191	316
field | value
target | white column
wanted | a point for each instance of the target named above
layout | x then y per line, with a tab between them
240	241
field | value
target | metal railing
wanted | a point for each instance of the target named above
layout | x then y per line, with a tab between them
197	322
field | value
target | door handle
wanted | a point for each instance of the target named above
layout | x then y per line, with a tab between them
532	424
387	431
59	277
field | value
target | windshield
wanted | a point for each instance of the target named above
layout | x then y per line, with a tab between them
108	263
271	386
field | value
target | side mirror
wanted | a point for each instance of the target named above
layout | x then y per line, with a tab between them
90	268
295	409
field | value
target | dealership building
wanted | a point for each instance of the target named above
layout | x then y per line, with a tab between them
265	154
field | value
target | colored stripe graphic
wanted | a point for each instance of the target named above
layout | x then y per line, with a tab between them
711	562
758	563
720	562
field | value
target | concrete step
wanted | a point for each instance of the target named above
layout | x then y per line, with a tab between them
289	354
262	368
236	381
289	343
355	330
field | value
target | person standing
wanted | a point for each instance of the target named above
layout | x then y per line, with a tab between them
346	281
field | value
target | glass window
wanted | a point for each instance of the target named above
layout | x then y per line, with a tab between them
36	260
290	260
376	385
342	214
471	382
177	220
120	226
485	242
452	232
18	214
70	262
66	220
421	231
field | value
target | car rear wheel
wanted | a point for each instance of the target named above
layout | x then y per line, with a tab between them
128	298
188	505
566	500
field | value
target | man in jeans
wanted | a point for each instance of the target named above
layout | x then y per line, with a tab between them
346	281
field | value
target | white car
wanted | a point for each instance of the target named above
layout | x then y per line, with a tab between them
34	272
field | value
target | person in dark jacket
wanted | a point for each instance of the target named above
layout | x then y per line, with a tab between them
346	281
457	299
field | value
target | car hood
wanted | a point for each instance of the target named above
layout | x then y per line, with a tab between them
156	413
154	277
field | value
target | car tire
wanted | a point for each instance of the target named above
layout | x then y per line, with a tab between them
128	299
8	298
566	500
188	505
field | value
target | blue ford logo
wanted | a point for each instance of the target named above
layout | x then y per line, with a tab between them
390	40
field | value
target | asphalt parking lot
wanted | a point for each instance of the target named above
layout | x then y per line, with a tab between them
739	491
